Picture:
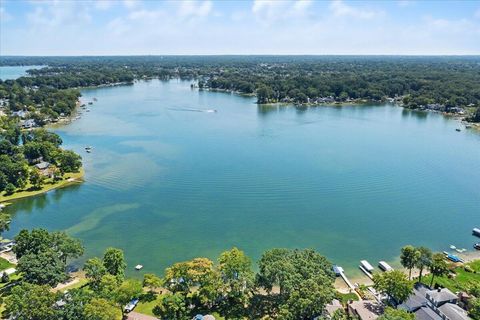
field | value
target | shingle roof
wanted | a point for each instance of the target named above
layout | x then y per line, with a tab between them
425	313
453	312
441	295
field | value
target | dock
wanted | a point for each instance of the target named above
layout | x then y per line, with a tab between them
344	277
366	272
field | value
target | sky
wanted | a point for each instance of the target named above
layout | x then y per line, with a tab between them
151	27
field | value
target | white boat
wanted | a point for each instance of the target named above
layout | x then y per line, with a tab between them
367	266
384	266
138	267
453	247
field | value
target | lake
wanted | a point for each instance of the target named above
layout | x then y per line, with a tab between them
14	72
168	181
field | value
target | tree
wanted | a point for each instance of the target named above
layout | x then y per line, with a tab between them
393	283
101	309
424	260
44	268
114	262
151	281
396	314
94	271
36	178
75	301
4	221
9	188
475	309
438	267
171	307
107	286
29	301
68	161
409	257
128	290
237	281
43	255
305	280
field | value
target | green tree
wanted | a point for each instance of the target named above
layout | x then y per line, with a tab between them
171	307
114	262
29	302
151	281
393	283
94	271
237	282
128	290
101	309
305	280
424	260
9	189
438	267
409	257
396	314
475	308
36	178
5	219
68	161
76	299
44	268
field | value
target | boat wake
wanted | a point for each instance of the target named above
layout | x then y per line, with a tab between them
194	110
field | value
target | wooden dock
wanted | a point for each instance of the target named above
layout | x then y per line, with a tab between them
366	272
344	277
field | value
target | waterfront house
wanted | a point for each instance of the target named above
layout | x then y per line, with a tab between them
438	304
42	165
331	308
365	309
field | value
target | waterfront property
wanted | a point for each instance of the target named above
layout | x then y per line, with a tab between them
258	177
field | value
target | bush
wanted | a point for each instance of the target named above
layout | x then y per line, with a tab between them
9	189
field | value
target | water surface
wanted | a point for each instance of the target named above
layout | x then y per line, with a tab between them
167	183
14	72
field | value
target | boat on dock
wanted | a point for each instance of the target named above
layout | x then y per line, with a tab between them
476	232
367	266
384	266
337	270
453	257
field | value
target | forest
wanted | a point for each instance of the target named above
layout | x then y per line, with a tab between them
444	83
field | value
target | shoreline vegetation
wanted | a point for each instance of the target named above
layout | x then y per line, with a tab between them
68	179
228	288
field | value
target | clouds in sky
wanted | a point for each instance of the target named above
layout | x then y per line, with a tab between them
90	27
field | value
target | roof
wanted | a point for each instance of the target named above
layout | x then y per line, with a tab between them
367	309
139	316
333	306
453	312
425	313
417	299
42	165
440	296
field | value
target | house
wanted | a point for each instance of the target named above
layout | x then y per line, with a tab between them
42	165
21	114
331	308
439	304
30	123
365	309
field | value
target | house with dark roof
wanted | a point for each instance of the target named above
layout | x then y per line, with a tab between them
439	304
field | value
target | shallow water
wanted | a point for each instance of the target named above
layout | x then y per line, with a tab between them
166	184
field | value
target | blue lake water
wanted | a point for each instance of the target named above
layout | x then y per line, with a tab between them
167	183
14	72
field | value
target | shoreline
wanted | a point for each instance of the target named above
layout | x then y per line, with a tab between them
69	179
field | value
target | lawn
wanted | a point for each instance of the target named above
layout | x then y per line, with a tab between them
49	185
462	279
4	264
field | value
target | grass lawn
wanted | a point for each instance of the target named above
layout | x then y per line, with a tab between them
461	281
49	185
4	264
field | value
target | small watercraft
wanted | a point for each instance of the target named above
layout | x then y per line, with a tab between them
138	267
453	247
458	130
